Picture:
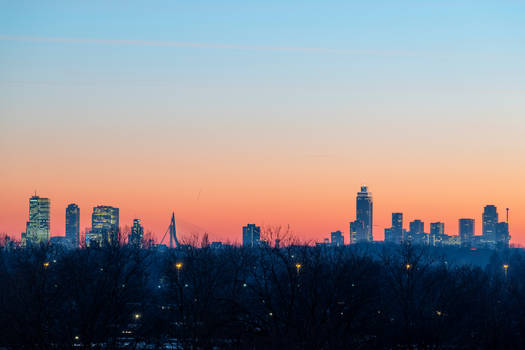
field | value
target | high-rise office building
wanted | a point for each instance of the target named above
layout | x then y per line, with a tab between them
337	239
136	237
251	235
502	235
395	233
73	224
357	233
364	214
490	221
416	233
466	231
437	233
104	225
417	227
37	228
437	228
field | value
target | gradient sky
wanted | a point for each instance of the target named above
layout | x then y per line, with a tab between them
272	112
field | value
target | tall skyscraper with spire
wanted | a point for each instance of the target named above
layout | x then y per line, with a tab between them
361	230
37	228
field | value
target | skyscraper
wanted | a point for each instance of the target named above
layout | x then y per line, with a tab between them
490	221
251	234
356	231
73	224
104	225
337	239
37	228
136	236
395	233
466	231
437	233
416	233
364	214
502	234
417	227
437	228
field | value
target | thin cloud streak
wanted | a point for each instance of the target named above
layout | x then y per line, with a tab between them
206	45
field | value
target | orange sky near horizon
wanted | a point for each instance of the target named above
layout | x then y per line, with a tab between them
213	176
312	201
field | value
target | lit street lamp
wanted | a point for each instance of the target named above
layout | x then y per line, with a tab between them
178	266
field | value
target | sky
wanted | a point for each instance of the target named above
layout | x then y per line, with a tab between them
266	112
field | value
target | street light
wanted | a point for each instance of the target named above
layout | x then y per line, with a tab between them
298	267
136	316
178	266
408	266
506	268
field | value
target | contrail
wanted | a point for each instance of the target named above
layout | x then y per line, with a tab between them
202	45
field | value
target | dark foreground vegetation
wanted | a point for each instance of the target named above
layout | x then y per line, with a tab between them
289	298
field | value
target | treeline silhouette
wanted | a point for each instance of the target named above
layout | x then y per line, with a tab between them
297	297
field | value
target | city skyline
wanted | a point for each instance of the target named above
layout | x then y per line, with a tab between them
252	175
105	224
274	113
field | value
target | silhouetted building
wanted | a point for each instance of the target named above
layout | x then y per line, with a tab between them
73	224
251	235
395	233
357	232
37	228
416	233
417	227
364	214
337	239
437	228
502	235
466	232
490	221
389	235
136	237
104	226
437	233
